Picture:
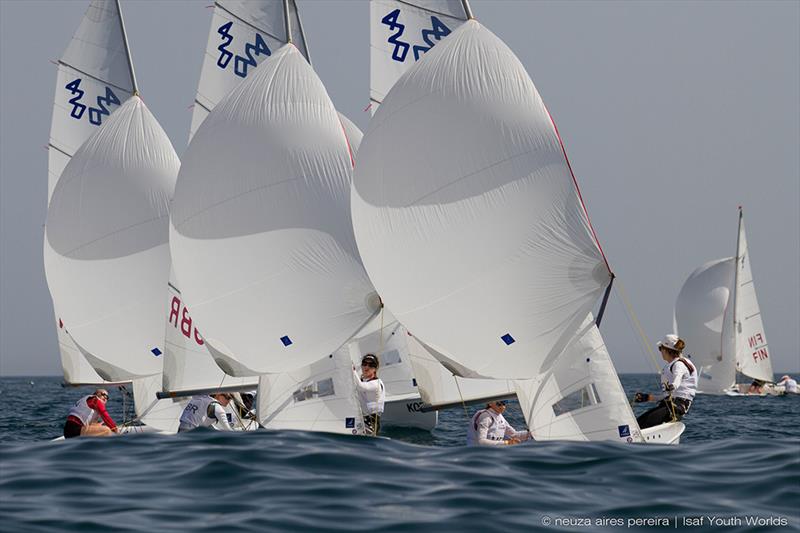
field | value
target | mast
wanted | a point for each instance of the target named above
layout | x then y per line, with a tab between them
287	23
467	9
736	289
605	301
127	50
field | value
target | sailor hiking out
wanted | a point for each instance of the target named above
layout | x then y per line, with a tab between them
371	392
206	411
489	427
84	417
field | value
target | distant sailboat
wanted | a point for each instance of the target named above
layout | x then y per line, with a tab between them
718	315
470	225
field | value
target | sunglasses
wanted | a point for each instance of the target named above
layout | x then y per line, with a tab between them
502	402
104	396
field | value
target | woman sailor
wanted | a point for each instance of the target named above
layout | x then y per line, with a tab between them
371	392
206	411
84	417
679	381
489	427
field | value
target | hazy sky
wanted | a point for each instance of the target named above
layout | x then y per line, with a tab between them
672	113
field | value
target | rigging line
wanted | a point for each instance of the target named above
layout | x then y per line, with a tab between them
637	326
463	403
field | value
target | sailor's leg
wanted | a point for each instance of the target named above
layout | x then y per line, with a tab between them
655	416
96	430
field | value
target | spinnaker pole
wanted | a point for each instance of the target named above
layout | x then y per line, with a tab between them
605	301
127	51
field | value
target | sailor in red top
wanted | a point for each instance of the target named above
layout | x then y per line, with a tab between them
84	417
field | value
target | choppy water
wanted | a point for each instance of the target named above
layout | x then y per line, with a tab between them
739	461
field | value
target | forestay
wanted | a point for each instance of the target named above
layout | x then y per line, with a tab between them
319	397
462	170
400	34
242	35
106	254
752	354
93	78
579	397
704	320
261	239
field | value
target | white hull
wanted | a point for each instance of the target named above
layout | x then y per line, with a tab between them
669	433
407	413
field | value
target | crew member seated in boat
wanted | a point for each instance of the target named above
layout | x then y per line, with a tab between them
84	417
371	392
788	383
679	381
206	411
488	427
756	387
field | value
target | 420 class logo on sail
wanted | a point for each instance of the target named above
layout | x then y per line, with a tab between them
241	64
437	30
79	109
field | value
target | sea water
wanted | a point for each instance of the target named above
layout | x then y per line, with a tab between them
737	469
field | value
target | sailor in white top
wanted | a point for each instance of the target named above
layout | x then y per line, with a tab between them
679	382
489	427
789	384
206	411
372	393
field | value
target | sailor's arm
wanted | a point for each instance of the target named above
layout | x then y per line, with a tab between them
221	417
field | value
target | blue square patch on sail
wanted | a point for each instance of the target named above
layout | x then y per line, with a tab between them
350	422
624	431
508	339
286	340
414	381
156	351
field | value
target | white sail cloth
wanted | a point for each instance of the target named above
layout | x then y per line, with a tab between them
752	353
580	396
93	78
703	319
401	32
261	237
242	35
163	415
462	170
106	253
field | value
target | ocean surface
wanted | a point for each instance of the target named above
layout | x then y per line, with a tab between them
736	469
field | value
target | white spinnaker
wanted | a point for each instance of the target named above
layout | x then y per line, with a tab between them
163	415
580	396
440	388
462	170
93	78
702	310
242	35
401	32
106	253
187	363
752	354
266	256
319	397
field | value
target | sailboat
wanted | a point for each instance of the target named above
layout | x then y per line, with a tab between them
105	246
471	227
718	315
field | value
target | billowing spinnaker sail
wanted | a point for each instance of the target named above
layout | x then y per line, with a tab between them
93	79
262	241
752	355
440	388
319	397
400	34
703	306
187	363
242	35
106	253
579	397
462	170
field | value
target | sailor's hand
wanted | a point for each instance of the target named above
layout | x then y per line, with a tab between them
668	387
512	441
640	397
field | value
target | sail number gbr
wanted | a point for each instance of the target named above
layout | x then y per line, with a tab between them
241	64
180	319
401	47
79	109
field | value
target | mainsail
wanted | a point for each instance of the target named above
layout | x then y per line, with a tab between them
106	252
94	77
266	257
462	170
704	319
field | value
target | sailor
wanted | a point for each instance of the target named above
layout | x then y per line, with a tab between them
206	411
488	427
84	417
789	384
679	382
371	392
756	387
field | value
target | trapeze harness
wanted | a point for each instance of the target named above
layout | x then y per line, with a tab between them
496	433
86	411
203	411
373	397
677	402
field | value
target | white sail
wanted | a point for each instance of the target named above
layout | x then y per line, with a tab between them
266	256
93	78
401	32
462	170
106	253
703	319
440	388
163	415
319	397
579	397
242	35
752	354
187	364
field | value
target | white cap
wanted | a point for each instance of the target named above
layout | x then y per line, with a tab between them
672	342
